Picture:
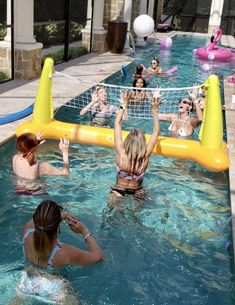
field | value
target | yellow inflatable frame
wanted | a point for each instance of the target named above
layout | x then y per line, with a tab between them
210	151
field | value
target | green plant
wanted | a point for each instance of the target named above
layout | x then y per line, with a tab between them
3	76
3	32
59	55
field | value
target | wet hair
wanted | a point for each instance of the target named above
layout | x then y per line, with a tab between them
26	143
135	148
157	60
135	81
139	70
47	218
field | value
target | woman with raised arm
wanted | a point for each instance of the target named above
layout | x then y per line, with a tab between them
27	168
132	154
182	123
40	239
43	249
100	110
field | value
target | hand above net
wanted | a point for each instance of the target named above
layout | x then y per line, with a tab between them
94	97
125	97
155	103
194	93
157	95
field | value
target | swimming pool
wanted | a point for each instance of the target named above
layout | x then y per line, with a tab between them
169	249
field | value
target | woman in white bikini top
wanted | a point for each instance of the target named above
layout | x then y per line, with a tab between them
182	124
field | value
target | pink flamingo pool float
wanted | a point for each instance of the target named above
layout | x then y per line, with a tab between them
212	52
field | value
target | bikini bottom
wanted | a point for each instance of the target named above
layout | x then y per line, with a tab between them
120	192
25	191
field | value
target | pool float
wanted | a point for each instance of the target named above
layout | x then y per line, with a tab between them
231	80
210	151
211	52
17	115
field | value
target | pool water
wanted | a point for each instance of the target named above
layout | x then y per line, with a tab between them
168	249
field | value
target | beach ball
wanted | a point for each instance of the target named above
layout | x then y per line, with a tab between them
211	56
166	42
205	67
143	25
194	51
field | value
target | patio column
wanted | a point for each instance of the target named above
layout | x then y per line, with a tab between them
127	18
24	19
150	8
98	32
27	50
143	10
215	14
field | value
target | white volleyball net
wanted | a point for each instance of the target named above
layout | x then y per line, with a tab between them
139	105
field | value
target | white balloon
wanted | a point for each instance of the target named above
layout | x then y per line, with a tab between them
194	51
166	42
143	25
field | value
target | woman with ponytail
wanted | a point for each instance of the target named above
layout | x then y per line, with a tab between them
42	247
132	154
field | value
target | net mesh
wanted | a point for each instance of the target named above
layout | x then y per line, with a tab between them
139	105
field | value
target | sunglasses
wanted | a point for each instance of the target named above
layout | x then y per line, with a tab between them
185	102
153	63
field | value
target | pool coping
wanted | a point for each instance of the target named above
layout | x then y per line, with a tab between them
95	67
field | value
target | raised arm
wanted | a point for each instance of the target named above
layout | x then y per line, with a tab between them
94	100
118	121
195	121
77	256
156	127
47	169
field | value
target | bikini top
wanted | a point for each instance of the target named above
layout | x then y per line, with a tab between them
97	113
56	249
23	169
130	176
180	132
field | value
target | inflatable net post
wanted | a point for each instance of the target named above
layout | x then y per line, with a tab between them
43	108
211	134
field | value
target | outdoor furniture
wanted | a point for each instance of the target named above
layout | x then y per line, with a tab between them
165	23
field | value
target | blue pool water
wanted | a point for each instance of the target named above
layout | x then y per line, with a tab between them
168	249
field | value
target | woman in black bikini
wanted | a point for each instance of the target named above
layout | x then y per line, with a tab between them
132	154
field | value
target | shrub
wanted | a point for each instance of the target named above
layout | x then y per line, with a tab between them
59	55
3	76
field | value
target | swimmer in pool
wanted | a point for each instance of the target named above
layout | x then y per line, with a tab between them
43	249
27	168
183	124
155	68
132	154
100	110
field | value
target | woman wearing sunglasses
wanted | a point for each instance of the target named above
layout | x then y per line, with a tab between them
155	68
182	123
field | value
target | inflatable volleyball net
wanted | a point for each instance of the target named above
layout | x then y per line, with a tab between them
139	105
209	151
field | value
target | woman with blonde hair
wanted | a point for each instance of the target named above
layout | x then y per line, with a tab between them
100	110
132	154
